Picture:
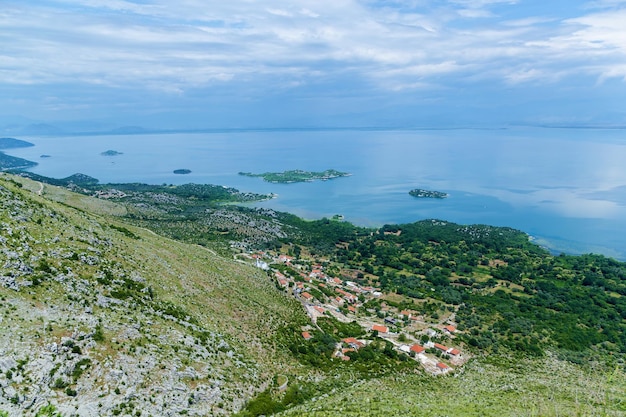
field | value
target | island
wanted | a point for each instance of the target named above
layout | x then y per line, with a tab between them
419	193
111	153
182	171
298	175
45	156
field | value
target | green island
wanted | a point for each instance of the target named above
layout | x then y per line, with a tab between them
111	152
182	171
298	176
190	286
420	193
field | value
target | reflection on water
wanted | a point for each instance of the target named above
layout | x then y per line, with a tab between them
564	186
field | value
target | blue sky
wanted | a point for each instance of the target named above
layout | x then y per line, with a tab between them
244	63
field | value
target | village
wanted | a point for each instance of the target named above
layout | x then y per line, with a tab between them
430	342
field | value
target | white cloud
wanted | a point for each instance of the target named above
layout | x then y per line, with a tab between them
189	43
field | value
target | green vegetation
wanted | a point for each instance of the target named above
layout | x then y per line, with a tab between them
297	176
48	411
8	162
419	193
111	153
182	171
544	334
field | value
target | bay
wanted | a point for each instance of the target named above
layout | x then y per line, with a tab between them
564	187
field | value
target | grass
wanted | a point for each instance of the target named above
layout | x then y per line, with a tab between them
522	387
226	313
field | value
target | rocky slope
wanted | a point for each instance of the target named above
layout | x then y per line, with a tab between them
99	318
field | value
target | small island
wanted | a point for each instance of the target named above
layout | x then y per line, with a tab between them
182	171
111	153
45	156
419	193
298	175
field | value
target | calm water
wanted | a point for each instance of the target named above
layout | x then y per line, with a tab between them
565	187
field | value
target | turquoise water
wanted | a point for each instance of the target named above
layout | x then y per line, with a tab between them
565	187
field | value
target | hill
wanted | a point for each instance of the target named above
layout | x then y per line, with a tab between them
103	318
104	313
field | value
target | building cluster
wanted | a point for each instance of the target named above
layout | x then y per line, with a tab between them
322	294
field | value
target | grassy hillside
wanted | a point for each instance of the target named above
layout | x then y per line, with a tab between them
520	387
100	317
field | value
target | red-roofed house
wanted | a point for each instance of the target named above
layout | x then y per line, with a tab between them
380	329
284	258
307	296
449	329
441	347
319	309
352	309
454	352
353	342
406	314
417	349
306	335
442	366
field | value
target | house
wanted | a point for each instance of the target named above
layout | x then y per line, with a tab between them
454	352
353	342
441	347
418	349
285	258
352	309
449	329
380	329
306	296
443	367
405	348
283	282
319	309
406	314
307	335
351	298
316	273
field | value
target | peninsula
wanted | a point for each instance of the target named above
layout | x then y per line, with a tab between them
11	143
419	193
298	176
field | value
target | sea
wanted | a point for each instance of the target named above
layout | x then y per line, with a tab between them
564	187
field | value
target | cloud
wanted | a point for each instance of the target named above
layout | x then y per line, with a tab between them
179	46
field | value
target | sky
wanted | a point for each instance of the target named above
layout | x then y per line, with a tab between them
86	64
